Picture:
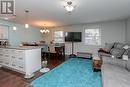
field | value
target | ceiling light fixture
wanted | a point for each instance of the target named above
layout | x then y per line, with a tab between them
14	27
69	6
26	14
26	25
44	30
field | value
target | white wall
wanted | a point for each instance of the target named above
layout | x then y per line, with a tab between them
128	31
22	34
110	32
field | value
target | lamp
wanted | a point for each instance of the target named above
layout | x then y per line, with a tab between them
69	6
26	14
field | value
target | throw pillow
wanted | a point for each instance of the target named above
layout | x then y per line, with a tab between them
125	57
117	53
115	44
127	52
108	47
102	50
119	45
126	47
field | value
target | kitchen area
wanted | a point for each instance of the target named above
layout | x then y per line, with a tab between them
27	54
22	59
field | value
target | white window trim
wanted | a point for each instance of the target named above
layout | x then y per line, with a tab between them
99	37
61	37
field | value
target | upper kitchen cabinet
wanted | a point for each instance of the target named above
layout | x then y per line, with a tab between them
4	32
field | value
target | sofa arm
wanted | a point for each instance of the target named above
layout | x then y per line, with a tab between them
102	54
114	61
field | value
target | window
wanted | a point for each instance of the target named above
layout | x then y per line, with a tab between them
58	37
92	37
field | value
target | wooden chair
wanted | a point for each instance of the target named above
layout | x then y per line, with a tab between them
60	52
55	52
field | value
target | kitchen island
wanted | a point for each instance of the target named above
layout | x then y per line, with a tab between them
25	59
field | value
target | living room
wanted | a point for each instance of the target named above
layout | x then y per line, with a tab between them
106	21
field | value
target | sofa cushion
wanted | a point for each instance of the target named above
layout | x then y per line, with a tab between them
116	52
128	65
115	44
108	47
127	52
104	54
120	45
126	46
114	76
117	62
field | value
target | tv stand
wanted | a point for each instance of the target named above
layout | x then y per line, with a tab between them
72	55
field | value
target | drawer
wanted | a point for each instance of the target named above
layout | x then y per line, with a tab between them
1	54
13	52
20	66
13	65
20	51
6	63
20	59
1	51
1	60
7	51
6	55
13	57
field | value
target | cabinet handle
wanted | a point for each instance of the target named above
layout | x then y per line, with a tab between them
20	51
6	55
13	56
20	67
6	63
21	58
13	65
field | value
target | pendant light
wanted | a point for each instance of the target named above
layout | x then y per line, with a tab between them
26	14
14	27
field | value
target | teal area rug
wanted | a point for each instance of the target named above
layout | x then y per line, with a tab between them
75	72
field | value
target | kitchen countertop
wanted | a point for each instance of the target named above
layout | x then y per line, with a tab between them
21	47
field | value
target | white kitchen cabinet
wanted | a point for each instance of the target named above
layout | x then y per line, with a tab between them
25	61
1	56
4	32
6	57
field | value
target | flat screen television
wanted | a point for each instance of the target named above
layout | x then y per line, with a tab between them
73	36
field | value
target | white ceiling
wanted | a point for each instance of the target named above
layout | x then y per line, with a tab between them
52	13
